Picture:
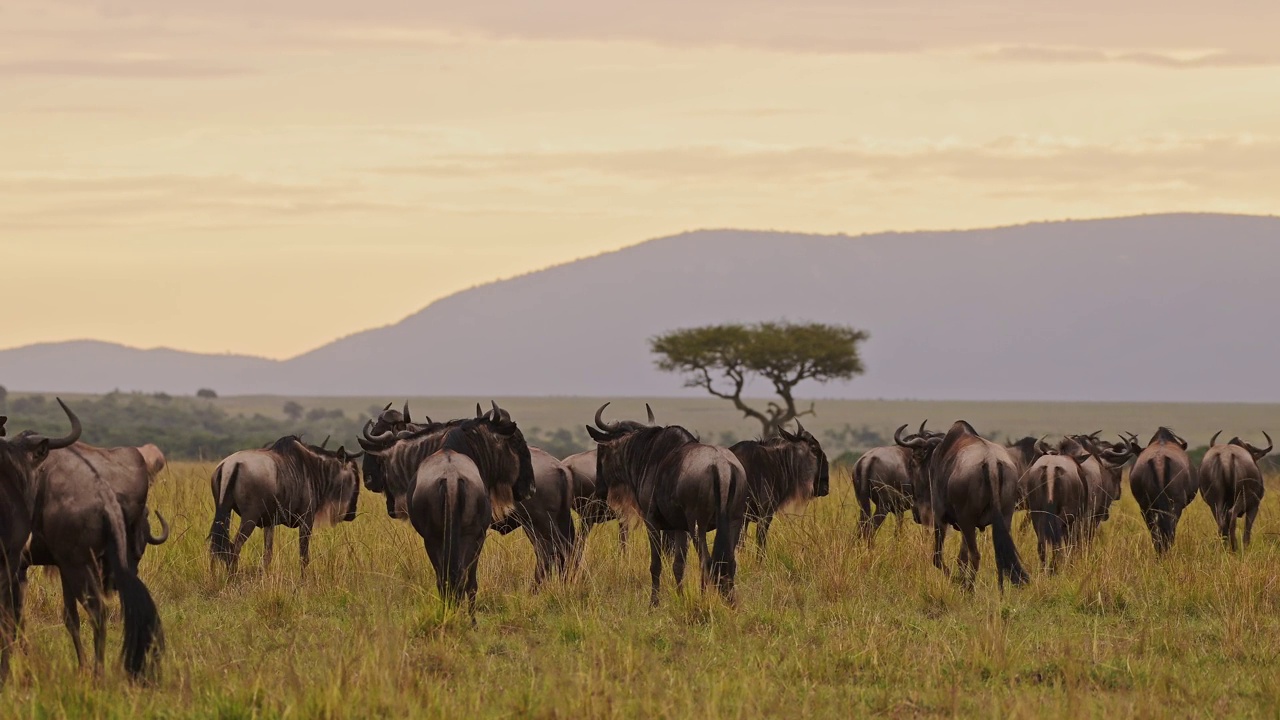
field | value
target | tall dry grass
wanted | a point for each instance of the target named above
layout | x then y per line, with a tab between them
825	627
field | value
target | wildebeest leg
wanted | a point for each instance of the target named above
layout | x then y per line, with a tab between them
268	546
73	586
622	534
439	563
939	538
969	557
877	519
704	557
655	565
1249	516
304	544
542	551
678	542
95	605
472	587
762	533
242	536
1231	528
10	612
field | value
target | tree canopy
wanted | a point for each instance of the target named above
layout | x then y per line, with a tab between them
723	359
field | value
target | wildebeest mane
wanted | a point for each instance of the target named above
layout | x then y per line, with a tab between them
777	470
634	457
298	463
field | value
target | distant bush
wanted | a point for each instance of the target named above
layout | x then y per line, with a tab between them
206	393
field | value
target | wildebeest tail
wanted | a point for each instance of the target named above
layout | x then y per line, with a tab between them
722	551
143	636
455	509
1162	505
565	543
1229	489
1007	562
1052	525
220	531
862	473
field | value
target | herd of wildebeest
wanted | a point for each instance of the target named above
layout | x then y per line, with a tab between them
83	509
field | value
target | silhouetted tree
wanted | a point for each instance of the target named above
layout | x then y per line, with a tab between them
206	393
722	359
293	410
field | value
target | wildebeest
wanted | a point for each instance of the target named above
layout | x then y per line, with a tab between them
449	507
679	486
972	484
786	469
79	525
292	484
1231	484
19	459
886	476
125	470
1102	473
496	444
1163	481
582	468
1057	497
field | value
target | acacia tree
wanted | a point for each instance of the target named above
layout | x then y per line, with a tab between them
723	359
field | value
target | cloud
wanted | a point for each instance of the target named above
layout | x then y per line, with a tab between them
157	68
31	202
1078	55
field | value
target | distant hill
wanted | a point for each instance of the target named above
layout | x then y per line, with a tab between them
1151	308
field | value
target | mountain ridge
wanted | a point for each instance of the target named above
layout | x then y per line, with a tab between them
1047	310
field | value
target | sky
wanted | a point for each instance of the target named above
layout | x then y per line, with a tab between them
263	176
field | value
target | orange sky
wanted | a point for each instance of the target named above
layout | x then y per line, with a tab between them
262	177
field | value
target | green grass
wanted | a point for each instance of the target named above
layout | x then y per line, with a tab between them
825	627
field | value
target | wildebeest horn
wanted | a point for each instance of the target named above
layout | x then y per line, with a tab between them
913	442
56	444
649	411
3	419
326	441
385	438
406	412
1258	453
600	423
1214	440
164	531
479	412
799	427
1043	447
388	407
921	430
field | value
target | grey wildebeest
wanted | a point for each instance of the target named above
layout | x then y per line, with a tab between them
125	470
19	459
79	526
1163	481
679	487
972	484
783	470
1057	497
528	487
1231	484
292	484
887	476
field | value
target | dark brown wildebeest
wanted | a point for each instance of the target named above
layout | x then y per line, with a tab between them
125	470
1024	452
582	467
448	505
679	487
972	484
79	525
1231	484
292	484
784	470
1057	497
886	476
496	444
19	459
1163	481
1102	474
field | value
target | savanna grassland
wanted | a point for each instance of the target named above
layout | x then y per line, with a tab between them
825	627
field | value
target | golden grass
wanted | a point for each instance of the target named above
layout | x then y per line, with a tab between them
825	627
